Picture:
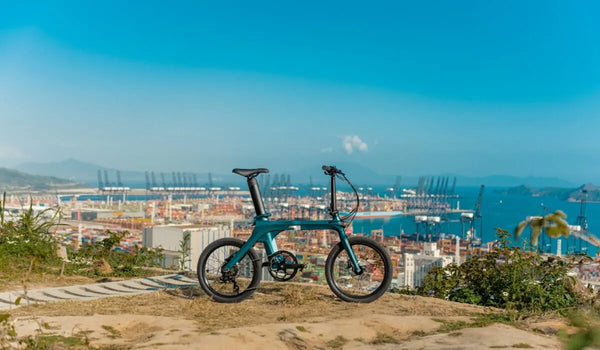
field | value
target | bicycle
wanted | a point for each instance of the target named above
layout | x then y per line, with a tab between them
357	269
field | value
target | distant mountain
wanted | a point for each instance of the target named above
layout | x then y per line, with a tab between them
507	180
568	194
79	171
15	180
359	174
71	169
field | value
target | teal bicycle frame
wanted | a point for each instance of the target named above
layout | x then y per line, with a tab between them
265	230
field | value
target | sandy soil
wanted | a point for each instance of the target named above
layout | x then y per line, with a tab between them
284	316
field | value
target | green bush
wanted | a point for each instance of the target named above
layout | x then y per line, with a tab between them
103	259
27	241
505	277
27	245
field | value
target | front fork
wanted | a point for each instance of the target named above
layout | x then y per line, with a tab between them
353	259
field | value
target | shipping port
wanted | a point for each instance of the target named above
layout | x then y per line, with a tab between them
163	212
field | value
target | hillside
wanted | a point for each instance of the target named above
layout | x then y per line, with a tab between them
15	180
279	316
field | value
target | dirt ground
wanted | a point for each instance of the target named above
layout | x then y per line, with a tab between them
286	316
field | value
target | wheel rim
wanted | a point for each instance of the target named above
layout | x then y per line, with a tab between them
359	285
228	283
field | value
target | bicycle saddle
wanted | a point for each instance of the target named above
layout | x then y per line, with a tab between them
250	172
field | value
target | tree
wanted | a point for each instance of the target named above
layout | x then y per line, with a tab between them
184	251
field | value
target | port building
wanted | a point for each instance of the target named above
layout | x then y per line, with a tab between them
416	266
170	237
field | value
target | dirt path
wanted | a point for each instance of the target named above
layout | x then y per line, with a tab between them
90	291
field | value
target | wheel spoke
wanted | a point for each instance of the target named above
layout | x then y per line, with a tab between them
368	281
228	283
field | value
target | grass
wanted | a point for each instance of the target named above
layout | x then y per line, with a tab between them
298	296
452	326
55	342
301	328
522	346
337	342
486	319
112	332
479	320
384	338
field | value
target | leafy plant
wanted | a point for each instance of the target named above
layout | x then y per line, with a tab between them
588	334
554	224
506	277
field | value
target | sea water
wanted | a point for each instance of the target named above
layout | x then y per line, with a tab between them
498	211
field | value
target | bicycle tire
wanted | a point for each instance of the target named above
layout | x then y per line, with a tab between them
202	271
385	262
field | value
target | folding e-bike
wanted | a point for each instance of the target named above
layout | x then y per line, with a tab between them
357	269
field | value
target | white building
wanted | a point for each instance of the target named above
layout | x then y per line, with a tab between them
416	266
169	237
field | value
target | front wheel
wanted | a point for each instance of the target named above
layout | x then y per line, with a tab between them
233	285
374	279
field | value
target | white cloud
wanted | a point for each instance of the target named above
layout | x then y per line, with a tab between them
354	143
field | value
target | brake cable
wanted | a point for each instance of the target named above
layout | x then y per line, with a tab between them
347	219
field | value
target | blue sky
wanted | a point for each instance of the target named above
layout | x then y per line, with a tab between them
470	87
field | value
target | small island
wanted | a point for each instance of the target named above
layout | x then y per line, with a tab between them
568	194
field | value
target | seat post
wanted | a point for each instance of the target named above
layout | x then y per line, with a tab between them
257	200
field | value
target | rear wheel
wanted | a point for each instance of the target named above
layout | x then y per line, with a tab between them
234	285
371	282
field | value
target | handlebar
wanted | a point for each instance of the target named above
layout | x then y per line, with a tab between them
331	170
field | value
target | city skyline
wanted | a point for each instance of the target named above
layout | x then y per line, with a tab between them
472	89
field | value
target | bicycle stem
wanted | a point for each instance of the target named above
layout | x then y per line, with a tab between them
333	204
